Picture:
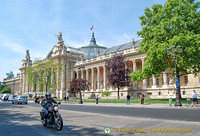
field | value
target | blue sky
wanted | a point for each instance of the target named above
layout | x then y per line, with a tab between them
33	24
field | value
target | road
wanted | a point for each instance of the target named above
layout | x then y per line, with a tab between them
79	120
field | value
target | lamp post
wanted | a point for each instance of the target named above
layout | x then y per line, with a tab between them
81	101
174	52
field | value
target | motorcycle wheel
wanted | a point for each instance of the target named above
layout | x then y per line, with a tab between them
59	125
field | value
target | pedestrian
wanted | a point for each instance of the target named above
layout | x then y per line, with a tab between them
142	98
97	99
128	99
65	98
194	96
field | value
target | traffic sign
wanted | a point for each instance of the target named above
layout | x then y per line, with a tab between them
177	83
176	79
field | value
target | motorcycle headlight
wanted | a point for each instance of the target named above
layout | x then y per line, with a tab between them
56	108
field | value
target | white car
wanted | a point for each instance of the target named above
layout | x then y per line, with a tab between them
9	96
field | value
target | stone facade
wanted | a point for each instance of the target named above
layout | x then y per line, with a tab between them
95	72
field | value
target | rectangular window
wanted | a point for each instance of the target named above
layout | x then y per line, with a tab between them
167	78
186	79
121	94
159	93
148	83
183	92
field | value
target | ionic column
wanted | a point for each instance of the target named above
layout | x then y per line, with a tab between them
126	87
145	80
92	78
98	71
57	82
154	82
63	82
81	74
67	81
134	69
72	75
110	86
77	74
165	83
24	83
86	77
87	74
104	78
134	65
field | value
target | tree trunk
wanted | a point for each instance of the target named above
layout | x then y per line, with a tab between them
81	101
118	93
46	87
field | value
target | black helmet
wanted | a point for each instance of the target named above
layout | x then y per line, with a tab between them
48	94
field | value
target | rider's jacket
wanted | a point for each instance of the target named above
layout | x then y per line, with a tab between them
48	102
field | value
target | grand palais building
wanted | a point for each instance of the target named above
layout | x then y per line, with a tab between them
92	59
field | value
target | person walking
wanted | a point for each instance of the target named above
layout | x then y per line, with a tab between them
128	99
142	98
194	96
97	99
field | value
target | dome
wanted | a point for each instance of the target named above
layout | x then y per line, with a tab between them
92	50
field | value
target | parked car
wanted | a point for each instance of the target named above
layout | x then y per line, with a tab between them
1	95
7	97
20	100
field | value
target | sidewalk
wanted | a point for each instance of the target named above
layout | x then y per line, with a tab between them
156	106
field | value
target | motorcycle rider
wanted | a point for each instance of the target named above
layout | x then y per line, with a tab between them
46	103
37	99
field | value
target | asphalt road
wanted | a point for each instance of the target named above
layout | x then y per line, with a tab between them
167	114
18	120
24	120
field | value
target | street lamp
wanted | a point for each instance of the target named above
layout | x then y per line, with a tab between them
81	101
174	53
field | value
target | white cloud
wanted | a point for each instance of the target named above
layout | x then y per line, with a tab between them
6	43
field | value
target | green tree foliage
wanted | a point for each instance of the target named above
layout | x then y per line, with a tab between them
5	89
44	74
106	93
177	22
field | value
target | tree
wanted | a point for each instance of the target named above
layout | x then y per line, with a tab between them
106	93
44	74
5	89
118	73
77	85
177	22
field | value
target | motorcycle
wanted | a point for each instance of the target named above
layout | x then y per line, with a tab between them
37	100
53	117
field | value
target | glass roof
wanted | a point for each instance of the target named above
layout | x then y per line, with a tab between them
92	50
122	47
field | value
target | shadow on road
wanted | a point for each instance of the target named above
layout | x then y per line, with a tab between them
15	123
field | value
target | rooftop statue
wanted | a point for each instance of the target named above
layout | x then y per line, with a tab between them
27	55
60	39
10	75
